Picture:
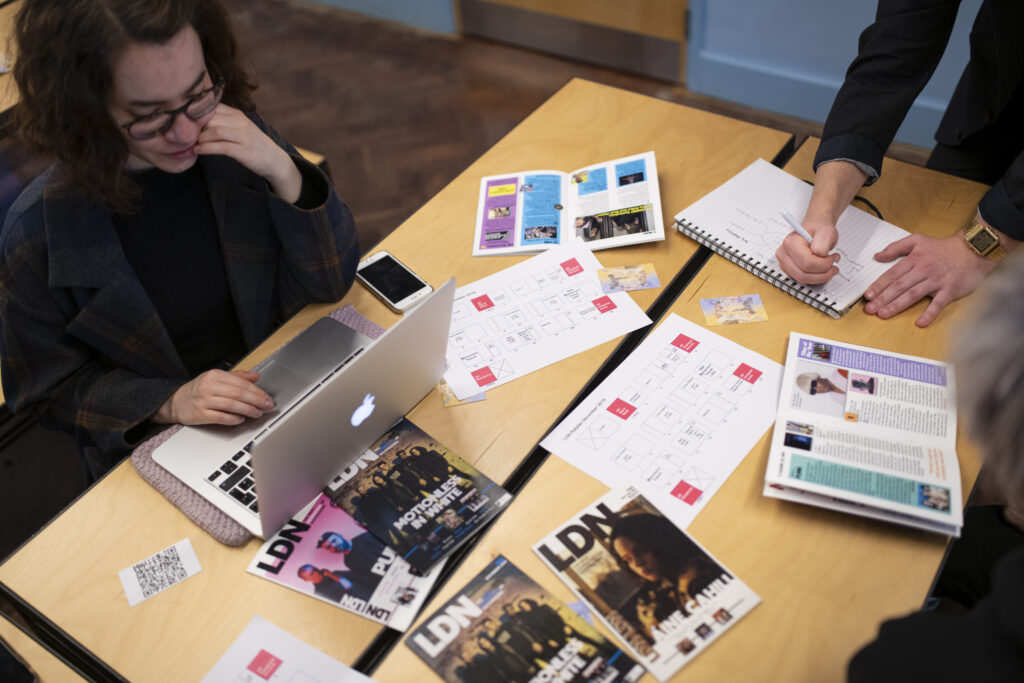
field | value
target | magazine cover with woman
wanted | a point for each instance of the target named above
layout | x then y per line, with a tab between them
650	583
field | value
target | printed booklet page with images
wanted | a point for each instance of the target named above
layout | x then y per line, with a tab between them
605	205
868	432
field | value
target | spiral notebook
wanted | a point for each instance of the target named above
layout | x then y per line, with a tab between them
742	220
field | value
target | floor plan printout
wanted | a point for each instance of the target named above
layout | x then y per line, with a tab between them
530	315
674	419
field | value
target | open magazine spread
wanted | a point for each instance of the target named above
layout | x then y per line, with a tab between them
868	432
503	626
610	204
417	496
648	581
325	553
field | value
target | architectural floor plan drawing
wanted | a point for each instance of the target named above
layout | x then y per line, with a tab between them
675	419
531	315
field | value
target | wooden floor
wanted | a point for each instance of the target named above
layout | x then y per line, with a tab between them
399	113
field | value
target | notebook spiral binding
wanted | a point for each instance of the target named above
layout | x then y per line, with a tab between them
770	275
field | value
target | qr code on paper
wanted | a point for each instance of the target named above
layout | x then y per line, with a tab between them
159	572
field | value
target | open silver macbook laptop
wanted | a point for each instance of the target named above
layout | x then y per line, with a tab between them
336	393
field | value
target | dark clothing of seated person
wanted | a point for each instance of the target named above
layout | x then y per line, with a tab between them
983	644
175	233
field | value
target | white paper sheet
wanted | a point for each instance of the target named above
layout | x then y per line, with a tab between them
530	315
675	418
264	652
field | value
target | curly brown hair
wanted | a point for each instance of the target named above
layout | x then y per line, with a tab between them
65	51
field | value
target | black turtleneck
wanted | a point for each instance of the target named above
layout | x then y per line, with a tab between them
172	245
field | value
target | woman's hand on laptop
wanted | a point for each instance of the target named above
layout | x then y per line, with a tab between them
216	397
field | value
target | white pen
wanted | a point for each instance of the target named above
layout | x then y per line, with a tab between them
795	224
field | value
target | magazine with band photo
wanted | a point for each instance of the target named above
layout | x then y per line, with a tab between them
324	553
418	497
504	627
868	432
649	582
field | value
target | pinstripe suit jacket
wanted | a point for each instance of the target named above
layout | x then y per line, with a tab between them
898	54
80	341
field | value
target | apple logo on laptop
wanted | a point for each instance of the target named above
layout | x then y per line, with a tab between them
363	411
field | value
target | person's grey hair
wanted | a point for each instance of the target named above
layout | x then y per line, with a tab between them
989	358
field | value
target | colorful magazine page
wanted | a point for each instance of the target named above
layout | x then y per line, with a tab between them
323	552
869	432
503	626
608	204
646	579
419	498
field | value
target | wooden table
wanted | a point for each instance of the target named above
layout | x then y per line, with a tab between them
121	520
826	579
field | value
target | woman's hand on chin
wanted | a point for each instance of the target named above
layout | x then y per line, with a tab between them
231	133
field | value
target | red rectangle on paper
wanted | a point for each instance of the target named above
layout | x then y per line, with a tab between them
484	376
685	343
264	664
482	302
604	304
572	267
747	373
621	408
686	492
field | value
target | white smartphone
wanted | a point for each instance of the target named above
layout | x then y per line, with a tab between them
392	281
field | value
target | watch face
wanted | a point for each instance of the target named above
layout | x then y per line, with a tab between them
983	241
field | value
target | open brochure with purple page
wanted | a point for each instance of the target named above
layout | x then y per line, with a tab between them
650	583
418	497
608	204
324	553
868	432
504	627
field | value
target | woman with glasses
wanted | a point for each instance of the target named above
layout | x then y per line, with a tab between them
173	234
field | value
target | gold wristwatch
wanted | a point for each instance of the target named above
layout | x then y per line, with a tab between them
984	241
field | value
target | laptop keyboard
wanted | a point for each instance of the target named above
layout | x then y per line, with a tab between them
234	478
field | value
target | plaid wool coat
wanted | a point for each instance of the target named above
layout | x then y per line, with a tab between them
80	342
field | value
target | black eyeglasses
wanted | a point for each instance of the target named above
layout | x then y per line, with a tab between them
814	387
157	123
